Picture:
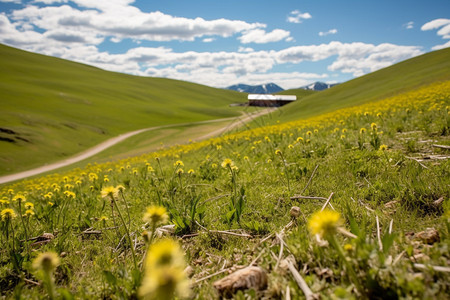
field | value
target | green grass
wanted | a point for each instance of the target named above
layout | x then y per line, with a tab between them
387	82
328	156
57	108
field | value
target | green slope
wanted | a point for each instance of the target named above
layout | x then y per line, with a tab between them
52	108
398	78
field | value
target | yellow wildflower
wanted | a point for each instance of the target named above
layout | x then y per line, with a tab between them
46	262
8	214
324	222
383	147
164	276
109	191
155	215
178	163
29	205
227	163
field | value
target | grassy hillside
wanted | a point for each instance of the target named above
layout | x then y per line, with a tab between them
51	108
128	229
396	79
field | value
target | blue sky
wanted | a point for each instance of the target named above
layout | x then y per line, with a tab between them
220	43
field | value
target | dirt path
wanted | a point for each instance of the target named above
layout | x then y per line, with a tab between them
236	122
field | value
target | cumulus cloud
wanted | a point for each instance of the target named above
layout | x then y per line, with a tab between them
444	30
296	16
260	36
119	20
325	33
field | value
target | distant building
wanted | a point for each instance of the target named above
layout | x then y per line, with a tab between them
270	100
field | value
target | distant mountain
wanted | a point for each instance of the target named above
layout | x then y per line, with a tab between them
268	88
318	86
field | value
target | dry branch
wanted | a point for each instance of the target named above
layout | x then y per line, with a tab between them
301	282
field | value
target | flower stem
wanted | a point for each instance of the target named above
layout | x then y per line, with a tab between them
127	232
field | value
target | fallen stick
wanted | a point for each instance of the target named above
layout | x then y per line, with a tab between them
310	178
416	160
380	244
301	282
328	200
441	146
436	268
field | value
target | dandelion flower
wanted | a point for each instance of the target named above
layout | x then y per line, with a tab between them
383	147
155	215
191	171
47	262
29	213
227	163
19	198
373	126
324	222
29	205
178	163
180	171
109	191
8	214
299	139
362	130
278	152
164	275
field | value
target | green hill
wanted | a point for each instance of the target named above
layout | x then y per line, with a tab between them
396	79
51	108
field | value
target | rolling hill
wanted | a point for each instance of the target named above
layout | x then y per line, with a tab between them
390	81
52	108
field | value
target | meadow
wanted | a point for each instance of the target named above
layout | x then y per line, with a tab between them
350	203
56	108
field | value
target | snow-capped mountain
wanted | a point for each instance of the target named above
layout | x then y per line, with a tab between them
268	88
318	86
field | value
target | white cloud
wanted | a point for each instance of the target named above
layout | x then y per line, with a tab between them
11	1
439	47
245	49
331	31
260	36
444	31
296	16
208	40
409	25
119	20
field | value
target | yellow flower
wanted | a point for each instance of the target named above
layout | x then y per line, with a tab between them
383	147
19	197
8	214
348	247
191	171
227	163
103	219
28	213
46	262
109	191
278	152
290	146
164	276
213	165
178	163
180	171
373	126
324	222
155	215
120	188
308	133
299	139
29	205
362	130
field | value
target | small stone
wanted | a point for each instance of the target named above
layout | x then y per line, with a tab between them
247	278
295	212
429	236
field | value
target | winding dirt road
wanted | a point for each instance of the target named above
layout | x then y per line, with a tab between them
235	122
